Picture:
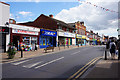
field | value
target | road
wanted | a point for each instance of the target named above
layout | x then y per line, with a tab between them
59	65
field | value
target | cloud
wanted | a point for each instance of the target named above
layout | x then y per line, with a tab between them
25	13
95	18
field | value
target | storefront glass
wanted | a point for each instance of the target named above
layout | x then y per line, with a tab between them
47	38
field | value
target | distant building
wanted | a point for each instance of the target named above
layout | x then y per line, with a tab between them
80	32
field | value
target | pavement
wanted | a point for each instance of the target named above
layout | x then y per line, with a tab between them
105	69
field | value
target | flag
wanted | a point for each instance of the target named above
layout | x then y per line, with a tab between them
107	9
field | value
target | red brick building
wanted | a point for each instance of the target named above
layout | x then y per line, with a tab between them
48	22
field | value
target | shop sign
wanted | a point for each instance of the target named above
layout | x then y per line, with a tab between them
79	36
83	37
24	32
4	30
66	34
48	33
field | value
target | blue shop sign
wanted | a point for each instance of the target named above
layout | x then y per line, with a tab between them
48	33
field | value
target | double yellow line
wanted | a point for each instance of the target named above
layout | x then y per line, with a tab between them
83	69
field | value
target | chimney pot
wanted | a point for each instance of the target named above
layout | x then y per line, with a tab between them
51	16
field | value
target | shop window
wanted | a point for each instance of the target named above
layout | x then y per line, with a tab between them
33	40
26	40
60	27
44	41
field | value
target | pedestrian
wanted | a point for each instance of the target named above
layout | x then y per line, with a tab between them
35	46
118	48
108	45
58	44
112	49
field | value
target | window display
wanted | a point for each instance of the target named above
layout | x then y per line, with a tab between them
27	43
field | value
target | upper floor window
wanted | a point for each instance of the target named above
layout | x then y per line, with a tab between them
59	27
67	29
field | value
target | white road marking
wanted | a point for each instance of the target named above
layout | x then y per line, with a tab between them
49	62
32	65
75	53
17	63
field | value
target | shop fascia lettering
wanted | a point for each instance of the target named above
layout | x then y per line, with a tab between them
66	34
49	33
80	36
24	32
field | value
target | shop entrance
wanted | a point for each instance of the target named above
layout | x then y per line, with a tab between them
15	40
3	43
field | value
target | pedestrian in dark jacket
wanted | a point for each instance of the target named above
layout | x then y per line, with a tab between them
112	49
35	46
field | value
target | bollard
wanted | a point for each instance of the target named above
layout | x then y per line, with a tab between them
105	55
78	45
21	53
59	47
68	46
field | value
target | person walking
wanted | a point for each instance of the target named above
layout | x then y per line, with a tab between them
35	46
112	49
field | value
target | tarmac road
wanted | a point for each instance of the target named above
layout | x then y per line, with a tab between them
59	65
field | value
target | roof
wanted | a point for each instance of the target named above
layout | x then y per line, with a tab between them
60	22
4	3
37	22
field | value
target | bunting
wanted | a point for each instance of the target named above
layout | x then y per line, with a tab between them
98	6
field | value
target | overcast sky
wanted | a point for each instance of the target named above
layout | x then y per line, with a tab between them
95	18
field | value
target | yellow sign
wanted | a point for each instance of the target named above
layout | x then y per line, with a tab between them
83	37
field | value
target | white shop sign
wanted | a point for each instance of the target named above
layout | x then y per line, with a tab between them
66	34
19	31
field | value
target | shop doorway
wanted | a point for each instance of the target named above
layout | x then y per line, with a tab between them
54	41
15	40
3	43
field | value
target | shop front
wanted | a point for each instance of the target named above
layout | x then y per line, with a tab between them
80	39
27	38
47	38
4	32
94	42
66	38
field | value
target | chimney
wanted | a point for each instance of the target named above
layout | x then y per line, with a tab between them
12	21
51	15
82	23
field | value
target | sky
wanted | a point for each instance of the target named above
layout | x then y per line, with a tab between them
70	11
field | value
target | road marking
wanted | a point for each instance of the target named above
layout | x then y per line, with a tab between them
75	53
82	68
86	69
32	65
17	63
49	62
